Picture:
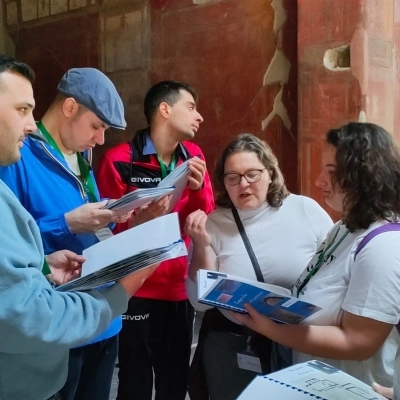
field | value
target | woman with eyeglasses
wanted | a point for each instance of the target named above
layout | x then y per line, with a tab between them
356	281
284	231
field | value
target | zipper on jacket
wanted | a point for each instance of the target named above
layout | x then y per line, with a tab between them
81	188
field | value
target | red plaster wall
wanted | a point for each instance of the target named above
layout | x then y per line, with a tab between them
326	99
53	48
223	49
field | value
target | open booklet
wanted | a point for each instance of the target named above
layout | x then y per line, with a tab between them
312	379
174	183
232	292
120	255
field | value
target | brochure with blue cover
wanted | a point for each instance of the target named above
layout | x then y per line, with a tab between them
232	293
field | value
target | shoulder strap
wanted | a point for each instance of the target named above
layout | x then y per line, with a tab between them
392	226
247	244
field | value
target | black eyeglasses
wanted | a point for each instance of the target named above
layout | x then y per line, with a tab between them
252	176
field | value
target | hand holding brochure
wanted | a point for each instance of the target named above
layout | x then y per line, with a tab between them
138	198
174	183
178	178
312	379
231	293
120	255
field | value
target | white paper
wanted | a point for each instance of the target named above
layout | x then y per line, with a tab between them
138	198
323	380
309	380
178	178
158	232
264	389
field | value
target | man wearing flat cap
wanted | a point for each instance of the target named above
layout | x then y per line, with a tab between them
55	183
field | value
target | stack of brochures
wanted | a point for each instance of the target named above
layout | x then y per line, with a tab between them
120	255
312	379
138	198
232	293
174	183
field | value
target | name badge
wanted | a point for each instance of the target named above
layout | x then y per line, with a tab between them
248	361
103	234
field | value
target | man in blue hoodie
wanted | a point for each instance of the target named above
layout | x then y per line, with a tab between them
39	325
55	183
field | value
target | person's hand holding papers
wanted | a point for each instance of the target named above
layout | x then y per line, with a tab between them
150	211
65	266
255	321
142	247
197	168
91	217
382	390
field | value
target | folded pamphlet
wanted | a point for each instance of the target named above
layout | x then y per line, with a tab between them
312	379
231	293
129	251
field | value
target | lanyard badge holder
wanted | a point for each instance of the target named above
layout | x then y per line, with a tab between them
247	359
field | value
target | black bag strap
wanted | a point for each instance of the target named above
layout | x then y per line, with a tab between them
247	244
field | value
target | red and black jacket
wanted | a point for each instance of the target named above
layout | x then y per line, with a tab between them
125	168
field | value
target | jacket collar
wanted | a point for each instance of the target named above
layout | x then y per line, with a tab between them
144	143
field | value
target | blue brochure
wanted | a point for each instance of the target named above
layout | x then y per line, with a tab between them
232	293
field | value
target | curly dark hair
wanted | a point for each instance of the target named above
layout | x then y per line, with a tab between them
368	172
247	142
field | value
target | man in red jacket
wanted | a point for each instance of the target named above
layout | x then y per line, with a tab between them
157	328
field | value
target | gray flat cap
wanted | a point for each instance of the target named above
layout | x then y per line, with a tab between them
94	90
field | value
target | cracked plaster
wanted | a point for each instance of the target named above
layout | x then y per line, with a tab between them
278	70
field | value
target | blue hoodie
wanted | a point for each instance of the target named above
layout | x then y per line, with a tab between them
39	325
48	189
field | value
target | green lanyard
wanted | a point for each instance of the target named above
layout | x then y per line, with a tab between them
46	269
324	254
86	179
164	170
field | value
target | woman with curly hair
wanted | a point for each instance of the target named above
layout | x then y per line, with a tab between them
284	231
357	285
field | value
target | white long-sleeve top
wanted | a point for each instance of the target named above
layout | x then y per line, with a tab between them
284	239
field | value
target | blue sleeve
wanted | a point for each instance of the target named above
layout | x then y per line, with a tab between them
33	316
53	226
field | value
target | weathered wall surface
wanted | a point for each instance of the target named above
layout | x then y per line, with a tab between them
327	98
348	70
54	35
286	71
239	55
